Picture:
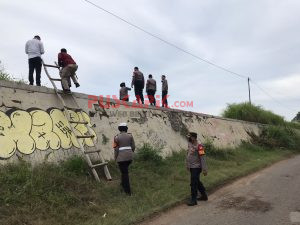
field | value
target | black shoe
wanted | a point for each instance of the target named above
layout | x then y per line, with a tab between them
77	85
203	198
38	84
192	203
67	91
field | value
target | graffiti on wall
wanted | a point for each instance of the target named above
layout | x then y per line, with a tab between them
26	131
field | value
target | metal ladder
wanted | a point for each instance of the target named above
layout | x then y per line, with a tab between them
84	122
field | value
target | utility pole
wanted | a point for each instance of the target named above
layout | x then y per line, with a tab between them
249	90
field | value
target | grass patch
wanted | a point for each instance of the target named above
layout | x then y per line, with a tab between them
252	113
217	153
67	194
277	137
148	153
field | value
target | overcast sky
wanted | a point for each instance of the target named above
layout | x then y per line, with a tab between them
258	38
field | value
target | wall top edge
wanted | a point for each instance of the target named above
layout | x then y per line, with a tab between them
46	90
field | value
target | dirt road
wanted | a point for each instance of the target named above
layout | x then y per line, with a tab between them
269	197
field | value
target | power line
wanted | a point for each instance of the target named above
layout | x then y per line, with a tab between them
187	52
271	97
166	42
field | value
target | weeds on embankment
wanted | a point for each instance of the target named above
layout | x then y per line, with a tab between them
257	114
67	194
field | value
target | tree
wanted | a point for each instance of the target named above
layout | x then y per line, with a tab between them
297	118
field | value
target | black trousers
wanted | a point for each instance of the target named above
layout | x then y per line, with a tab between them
126	99
139	95
151	97
196	184
123	166
164	99
35	64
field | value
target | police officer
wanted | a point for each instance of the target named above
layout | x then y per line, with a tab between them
124	92
164	90
124	147
139	83
151	89
196	163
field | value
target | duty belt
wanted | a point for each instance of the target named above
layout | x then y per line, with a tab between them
124	148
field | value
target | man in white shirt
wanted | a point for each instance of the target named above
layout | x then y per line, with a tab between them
34	48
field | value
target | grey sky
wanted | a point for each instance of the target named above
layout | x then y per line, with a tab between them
259	38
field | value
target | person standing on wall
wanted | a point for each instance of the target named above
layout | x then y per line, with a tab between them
69	68
151	89
124	147
164	91
139	83
196	163
34	48
124	92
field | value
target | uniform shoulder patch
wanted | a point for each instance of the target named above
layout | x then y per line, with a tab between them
115	144
201	150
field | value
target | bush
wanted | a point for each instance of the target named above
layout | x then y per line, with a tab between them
295	125
216	153
149	153
277	137
252	113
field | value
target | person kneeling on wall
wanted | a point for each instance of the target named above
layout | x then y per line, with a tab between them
124	147
196	163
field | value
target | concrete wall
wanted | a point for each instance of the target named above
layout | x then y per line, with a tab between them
33	128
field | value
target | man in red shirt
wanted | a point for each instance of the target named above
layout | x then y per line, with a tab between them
69	67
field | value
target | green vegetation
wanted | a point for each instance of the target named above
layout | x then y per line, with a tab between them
277	134
67	194
105	139
147	153
293	124
3	74
217	153
277	137
6	76
297	118
252	113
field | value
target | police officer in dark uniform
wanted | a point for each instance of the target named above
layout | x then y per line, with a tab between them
139	83
196	163
124	147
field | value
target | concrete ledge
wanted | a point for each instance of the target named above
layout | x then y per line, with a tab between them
42	89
